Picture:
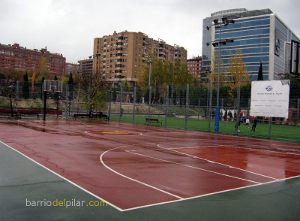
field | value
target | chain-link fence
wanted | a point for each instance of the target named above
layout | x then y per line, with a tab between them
188	107
194	107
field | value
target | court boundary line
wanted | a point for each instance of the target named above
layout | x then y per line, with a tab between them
130	178
211	194
62	177
248	148
266	150
210	133
193	167
210	161
211	146
149	205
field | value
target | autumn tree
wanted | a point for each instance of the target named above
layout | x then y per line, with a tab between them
42	68
217	71
238	75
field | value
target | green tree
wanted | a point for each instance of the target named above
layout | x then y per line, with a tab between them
71	86
7	89
163	73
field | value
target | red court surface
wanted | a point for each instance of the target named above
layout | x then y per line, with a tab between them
131	167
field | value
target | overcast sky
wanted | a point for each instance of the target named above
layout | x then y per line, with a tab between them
69	26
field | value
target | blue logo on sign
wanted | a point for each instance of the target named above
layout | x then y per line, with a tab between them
269	88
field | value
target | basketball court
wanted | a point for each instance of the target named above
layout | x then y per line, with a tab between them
133	168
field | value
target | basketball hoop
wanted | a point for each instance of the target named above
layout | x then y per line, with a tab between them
54	87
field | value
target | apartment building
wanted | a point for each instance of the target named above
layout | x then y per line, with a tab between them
86	66
15	57
72	68
194	66
121	55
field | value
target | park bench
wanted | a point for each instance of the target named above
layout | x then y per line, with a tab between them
20	112
153	121
92	115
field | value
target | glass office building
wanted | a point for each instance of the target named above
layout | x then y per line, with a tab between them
260	35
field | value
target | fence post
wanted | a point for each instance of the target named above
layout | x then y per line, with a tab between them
270	128
222	103
121	95
134	101
68	102
78	99
199	109
167	106
172	96
109	104
17	89
298	109
248	108
186	106
238	107
210	104
45	105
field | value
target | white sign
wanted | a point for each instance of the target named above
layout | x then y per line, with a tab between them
270	98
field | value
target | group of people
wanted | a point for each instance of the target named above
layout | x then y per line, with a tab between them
246	121
242	120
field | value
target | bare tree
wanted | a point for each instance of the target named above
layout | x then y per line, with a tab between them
92	91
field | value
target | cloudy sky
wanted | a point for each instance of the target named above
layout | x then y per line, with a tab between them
69	26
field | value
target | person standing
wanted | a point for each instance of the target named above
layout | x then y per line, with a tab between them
254	124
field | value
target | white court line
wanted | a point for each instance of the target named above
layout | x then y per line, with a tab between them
195	147
149	205
193	167
226	165
211	194
263	150
132	179
62	177
239	147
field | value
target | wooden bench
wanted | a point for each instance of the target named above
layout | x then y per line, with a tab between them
92	115
81	115
17	113
22	112
153	121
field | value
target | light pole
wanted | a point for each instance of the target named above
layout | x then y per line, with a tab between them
210	99
217	23
121	94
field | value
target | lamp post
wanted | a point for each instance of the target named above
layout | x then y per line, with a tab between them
210	99
217	23
121	94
